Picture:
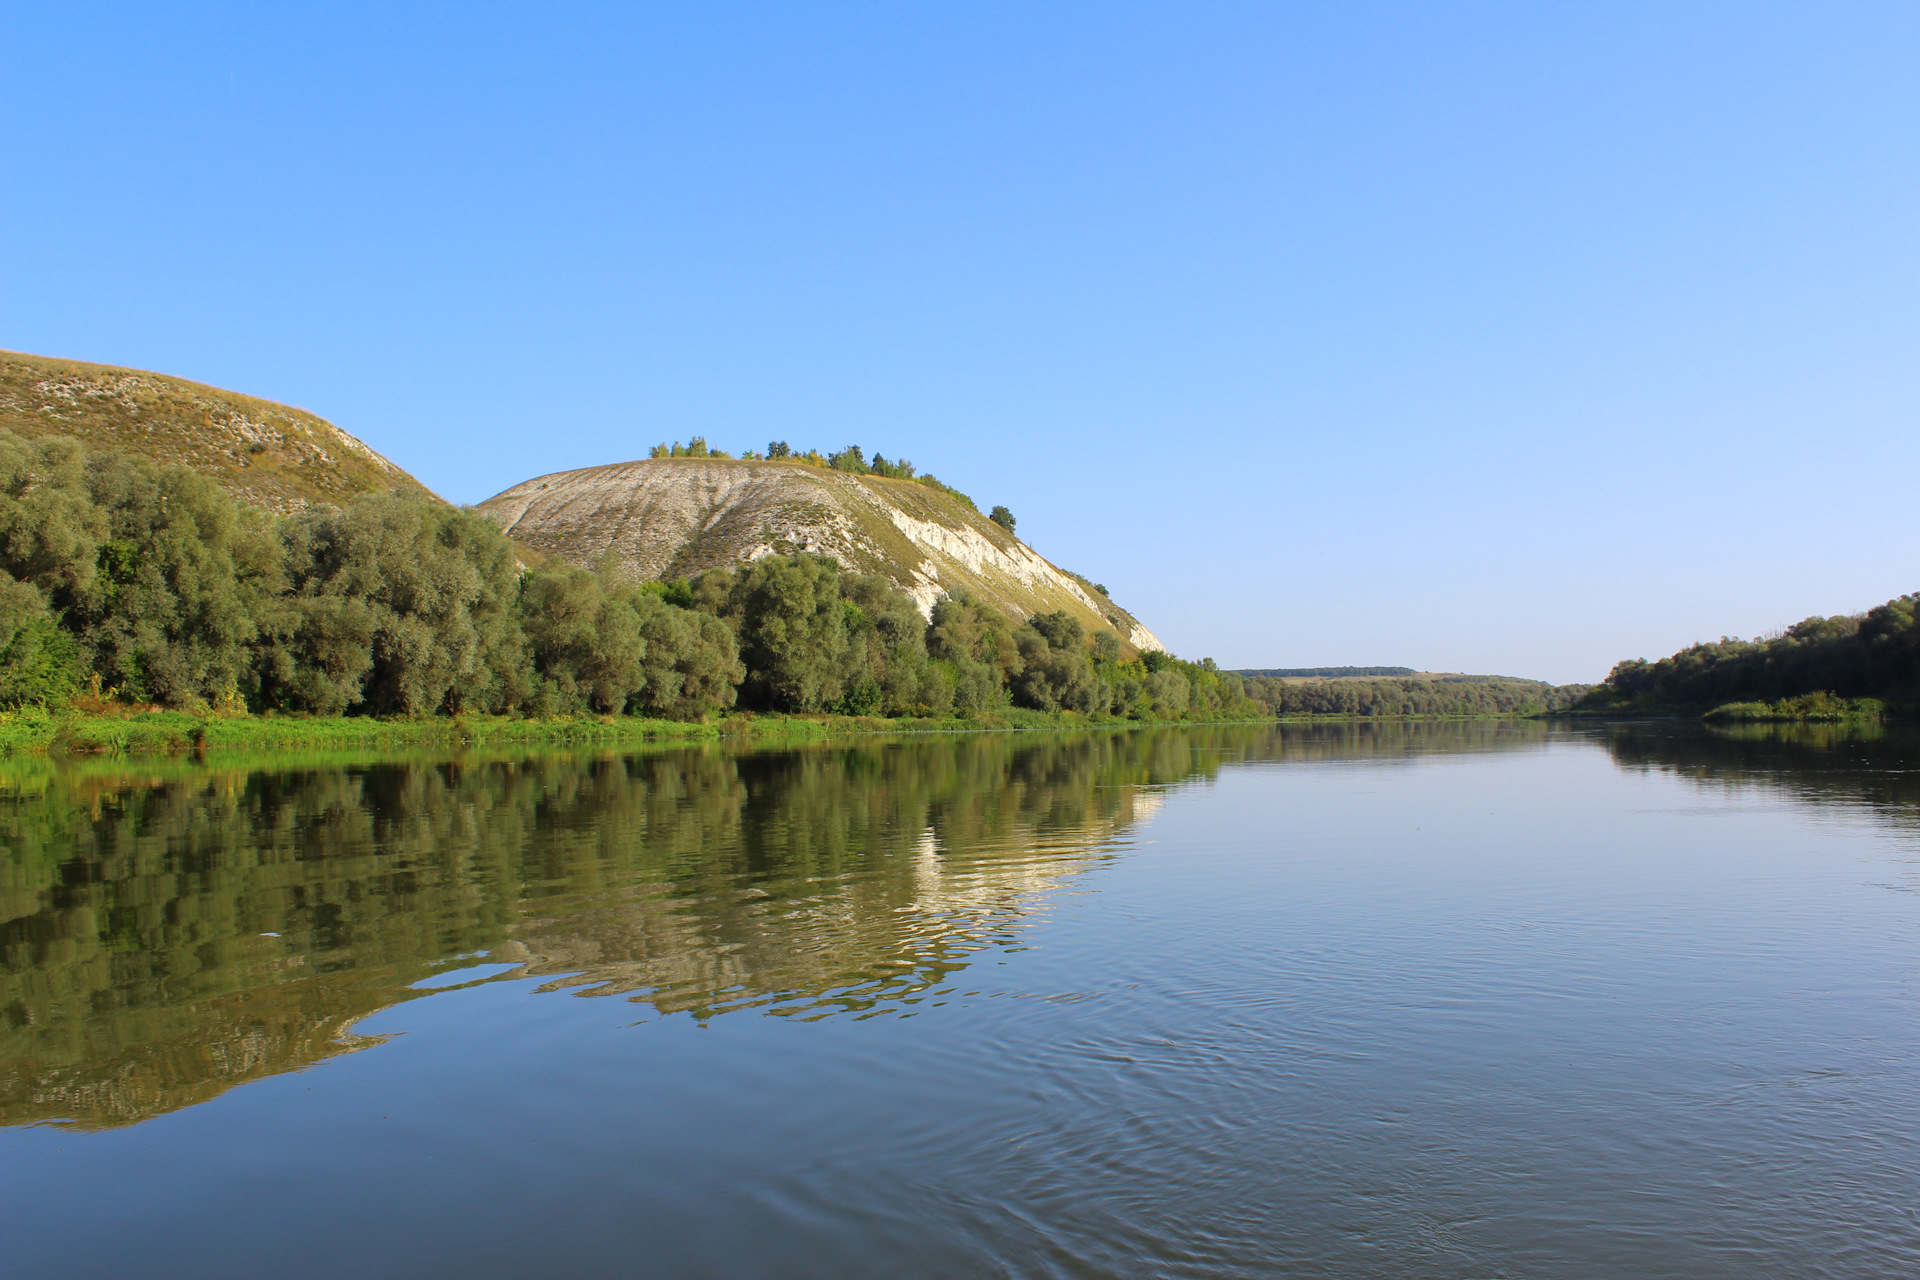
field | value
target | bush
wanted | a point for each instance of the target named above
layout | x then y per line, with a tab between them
39	663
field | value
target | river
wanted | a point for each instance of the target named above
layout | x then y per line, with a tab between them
1423	1000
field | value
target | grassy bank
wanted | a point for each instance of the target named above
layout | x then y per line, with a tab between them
65	732
1811	708
1807	708
35	730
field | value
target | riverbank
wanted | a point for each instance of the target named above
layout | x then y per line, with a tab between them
36	730
1811	708
56	732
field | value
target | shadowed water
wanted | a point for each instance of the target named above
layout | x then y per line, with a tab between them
1398	1000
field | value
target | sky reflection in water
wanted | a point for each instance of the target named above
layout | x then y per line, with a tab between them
1425	1000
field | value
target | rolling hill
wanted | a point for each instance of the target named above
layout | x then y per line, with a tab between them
669	517
265	454
666	517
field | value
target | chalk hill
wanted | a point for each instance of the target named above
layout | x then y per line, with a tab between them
669	517
265	454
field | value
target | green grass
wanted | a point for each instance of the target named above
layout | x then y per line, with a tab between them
1808	708
40	731
60	732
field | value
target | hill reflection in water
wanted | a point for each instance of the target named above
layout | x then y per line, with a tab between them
171	929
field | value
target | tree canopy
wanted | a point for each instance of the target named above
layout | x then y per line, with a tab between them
1875	654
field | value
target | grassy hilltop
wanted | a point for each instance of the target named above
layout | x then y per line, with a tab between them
267	455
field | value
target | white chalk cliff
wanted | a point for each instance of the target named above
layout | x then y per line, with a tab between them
668	517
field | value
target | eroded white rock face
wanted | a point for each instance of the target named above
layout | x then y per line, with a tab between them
979	554
672	516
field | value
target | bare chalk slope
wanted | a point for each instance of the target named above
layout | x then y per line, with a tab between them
669	517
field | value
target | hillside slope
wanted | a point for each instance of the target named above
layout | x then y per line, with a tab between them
265	454
668	517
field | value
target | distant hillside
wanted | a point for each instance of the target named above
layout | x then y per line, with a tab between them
670	517
265	454
1314	675
1324	673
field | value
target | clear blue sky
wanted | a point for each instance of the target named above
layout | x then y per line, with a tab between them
1515	338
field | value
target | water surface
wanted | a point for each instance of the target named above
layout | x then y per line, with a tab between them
1390	1000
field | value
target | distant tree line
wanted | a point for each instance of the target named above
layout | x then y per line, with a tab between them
126	581
1337	673
1479	696
851	459
1875	654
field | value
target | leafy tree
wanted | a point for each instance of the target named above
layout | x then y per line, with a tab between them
39	662
675	591
793	632
815	639
973	644
1169	693
898	470
1061	629
849	459
154	571
403	606
584	639
1002	517
1056	671
887	641
691	661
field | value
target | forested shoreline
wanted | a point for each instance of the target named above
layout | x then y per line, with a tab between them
124	583
128	586
1843	667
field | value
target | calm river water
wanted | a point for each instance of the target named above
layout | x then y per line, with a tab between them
1367	1000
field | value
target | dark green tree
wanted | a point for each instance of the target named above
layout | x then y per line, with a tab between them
584	638
1056	669
399	605
849	459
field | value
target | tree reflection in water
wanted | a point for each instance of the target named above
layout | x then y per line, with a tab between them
170	929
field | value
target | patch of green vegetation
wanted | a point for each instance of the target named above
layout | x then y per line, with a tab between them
852	460
1851	659
36	730
1808	708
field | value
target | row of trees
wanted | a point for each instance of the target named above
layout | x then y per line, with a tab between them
141	583
852	459
1403	697
149	584
1875	654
